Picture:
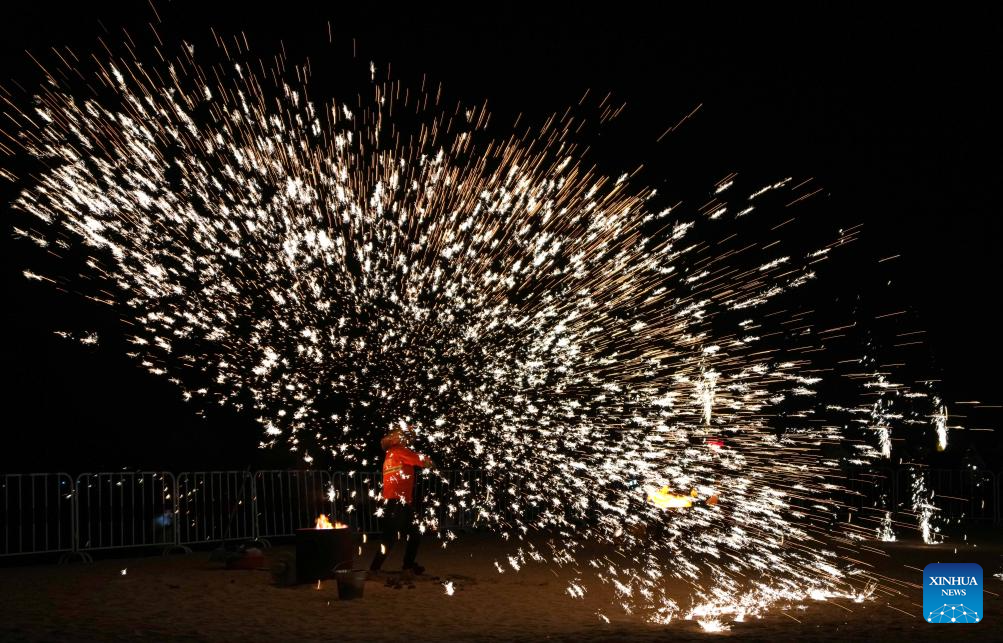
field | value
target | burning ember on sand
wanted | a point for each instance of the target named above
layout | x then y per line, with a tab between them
331	266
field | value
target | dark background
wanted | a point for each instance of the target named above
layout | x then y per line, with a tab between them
895	113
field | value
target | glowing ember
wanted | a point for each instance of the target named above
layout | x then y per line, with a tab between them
664	499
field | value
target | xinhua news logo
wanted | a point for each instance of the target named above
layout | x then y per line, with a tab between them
952	593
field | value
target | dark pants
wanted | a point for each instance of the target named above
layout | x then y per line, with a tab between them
398	522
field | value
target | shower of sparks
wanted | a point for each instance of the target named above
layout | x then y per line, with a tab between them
886	532
317	266
922	505
714	625
940	422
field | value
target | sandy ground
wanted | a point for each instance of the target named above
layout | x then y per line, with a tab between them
190	598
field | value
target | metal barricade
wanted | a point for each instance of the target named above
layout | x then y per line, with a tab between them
870	489
125	509
215	506
999	497
36	513
52	513
866	497
356	497
289	500
968	494
452	497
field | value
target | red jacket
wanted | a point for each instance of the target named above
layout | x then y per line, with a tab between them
398	473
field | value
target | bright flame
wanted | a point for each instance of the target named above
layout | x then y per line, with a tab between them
323	522
664	499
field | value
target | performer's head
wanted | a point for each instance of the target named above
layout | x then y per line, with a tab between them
399	435
391	440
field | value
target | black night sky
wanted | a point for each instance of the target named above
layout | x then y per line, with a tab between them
896	114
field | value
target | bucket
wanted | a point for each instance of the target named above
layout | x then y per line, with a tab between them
350	583
318	551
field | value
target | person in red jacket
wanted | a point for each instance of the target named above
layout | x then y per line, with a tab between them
398	519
